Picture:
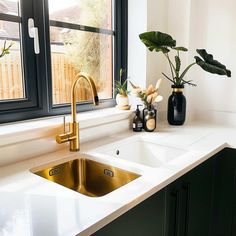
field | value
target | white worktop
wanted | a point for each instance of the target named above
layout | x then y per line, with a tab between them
31	205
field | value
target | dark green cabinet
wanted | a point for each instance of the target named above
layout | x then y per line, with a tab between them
177	205
189	202
146	218
200	203
224	210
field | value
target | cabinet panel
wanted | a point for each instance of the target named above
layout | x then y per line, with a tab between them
177	208
201	198
224	222
189	210
147	218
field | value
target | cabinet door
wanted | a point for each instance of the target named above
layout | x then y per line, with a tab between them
147	218
177	208
189	202
224	214
201	185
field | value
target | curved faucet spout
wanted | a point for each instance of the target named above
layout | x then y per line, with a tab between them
73	135
90	81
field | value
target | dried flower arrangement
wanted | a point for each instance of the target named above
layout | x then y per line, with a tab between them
149	95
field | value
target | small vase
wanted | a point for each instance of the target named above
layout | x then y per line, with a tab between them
122	102
149	118
176	106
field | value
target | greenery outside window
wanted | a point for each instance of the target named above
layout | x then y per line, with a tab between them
74	36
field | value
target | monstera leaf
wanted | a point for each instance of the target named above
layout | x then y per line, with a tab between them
208	63
158	41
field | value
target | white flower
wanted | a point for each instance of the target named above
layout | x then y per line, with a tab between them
149	95
159	98
158	83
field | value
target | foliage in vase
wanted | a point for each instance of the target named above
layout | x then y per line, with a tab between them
149	95
164	43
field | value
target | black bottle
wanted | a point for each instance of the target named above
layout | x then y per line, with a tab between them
177	106
137	121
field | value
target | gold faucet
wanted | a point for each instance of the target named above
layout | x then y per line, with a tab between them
73	135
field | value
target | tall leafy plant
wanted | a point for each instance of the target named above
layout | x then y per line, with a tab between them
121	87
164	43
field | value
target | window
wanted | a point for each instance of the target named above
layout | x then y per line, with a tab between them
74	50
73	36
17	91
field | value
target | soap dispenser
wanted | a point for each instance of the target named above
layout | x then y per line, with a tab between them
137	121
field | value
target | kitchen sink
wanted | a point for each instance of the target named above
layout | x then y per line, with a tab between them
142	151
86	176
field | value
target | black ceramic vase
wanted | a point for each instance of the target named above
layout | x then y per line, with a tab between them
176	106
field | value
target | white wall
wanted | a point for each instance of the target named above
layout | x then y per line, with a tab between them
194	24
157	20
145	67
137	22
212	24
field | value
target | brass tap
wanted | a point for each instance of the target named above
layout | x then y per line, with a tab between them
73	135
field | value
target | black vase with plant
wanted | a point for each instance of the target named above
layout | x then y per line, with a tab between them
176	113
162	42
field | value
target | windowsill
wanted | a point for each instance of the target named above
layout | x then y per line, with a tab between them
37	128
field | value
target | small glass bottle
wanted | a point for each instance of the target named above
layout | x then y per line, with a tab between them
149	118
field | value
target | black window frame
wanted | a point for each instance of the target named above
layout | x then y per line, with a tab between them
38	74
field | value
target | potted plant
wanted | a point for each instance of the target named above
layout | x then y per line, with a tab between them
122	93
164	43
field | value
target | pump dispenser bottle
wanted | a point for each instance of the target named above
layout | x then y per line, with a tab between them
137	121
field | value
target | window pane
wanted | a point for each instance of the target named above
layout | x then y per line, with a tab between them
95	13
10	7
11	83
73	51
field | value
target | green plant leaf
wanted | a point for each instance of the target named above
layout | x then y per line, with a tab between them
180	49
121	72
177	63
158	41
121	88
177	66
186	70
210	65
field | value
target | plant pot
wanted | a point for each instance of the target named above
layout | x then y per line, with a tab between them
176	106
122	102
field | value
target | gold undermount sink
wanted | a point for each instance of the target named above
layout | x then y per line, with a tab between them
87	177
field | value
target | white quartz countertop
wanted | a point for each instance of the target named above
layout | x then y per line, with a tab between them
31	205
